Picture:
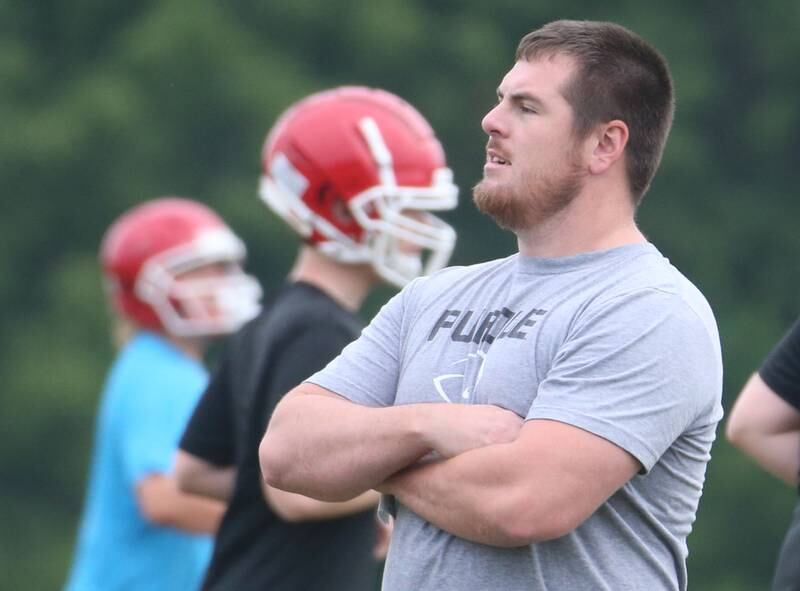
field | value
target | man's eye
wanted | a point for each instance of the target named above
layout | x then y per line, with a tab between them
526	109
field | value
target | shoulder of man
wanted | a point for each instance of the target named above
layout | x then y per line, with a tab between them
654	273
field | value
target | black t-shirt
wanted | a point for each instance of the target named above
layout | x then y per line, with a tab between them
787	569
295	335
781	372
781	369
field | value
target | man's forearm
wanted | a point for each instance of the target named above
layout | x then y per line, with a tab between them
293	507
778	454
538	487
198	477
331	449
162	503
767	428
466	495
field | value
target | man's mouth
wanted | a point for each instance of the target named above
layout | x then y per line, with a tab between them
493	157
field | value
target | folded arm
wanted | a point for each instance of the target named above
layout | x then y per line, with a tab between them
197	476
297	508
162	503
323	446
767	428
540	486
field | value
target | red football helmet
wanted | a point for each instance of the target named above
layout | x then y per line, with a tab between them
146	250
355	172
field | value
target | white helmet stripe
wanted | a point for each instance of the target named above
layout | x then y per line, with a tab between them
380	153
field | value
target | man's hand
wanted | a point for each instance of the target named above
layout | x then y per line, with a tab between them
382	538
456	428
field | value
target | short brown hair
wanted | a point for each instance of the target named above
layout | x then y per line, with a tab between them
620	76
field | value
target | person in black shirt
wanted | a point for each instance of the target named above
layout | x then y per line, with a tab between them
356	172
765	424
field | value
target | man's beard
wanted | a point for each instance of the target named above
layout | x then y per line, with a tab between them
541	197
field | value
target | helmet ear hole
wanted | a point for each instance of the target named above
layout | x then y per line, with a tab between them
326	195
341	213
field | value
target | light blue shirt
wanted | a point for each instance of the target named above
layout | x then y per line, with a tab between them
149	395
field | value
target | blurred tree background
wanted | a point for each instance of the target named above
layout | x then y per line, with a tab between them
105	104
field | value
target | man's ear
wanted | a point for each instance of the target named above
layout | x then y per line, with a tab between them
611	138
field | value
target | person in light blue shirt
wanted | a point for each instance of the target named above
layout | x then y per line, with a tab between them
172	271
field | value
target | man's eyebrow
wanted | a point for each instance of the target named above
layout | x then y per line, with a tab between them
520	96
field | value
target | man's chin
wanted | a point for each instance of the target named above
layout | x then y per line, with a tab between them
488	194
491	201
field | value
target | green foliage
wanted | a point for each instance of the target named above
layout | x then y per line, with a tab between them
106	104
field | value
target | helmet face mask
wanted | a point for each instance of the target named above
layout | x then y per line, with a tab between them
172	265
213	304
370	154
403	240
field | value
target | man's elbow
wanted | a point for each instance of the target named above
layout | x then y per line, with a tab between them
190	473
274	463
737	432
292	508
277	452
290	515
521	525
732	434
185	478
157	513
155	495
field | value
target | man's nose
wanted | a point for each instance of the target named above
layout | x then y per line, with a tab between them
492	121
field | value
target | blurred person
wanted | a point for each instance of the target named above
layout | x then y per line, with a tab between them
355	171
172	272
542	421
765	424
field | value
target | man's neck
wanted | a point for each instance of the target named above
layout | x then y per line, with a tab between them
347	284
592	222
194	347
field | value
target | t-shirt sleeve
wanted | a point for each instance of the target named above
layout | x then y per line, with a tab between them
367	370
154	419
637	370
781	369
304	353
209	433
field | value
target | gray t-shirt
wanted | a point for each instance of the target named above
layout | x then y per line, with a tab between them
617	343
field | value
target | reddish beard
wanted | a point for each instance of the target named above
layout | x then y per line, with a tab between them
541	197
